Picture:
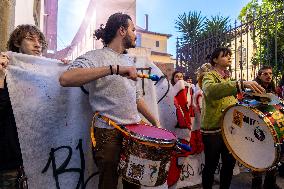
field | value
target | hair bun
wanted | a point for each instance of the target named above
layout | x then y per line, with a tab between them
99	33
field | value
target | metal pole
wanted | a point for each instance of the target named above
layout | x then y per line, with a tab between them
235	49
241	58
247	61
260	28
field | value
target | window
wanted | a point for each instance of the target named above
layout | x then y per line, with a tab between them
157	43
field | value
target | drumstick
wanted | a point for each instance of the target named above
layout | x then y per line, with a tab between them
152	77
184	146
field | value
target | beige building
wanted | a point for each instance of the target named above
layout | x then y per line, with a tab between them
244	52
156	43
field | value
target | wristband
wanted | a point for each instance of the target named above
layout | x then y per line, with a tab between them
117	69
110	67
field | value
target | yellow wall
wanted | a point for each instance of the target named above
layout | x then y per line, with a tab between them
149	41
248	53
161	59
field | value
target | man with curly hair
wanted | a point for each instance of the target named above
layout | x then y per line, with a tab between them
110	76
26	39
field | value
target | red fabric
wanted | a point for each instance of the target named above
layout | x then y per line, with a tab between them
196	148
175	168
196	142
174	171
182	110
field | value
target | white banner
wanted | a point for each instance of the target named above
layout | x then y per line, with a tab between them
53	125
54	122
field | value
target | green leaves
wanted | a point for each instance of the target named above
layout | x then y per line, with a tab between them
194	26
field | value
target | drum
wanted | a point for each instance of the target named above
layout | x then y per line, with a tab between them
253	132
146	154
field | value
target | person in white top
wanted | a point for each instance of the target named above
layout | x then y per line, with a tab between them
110	77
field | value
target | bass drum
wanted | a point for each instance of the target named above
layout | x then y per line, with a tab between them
253	134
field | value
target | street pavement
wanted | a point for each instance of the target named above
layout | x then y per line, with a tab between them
242	181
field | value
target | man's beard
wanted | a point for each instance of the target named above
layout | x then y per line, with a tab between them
127	43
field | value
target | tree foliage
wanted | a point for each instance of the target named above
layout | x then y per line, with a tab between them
266	18
194	26
200	35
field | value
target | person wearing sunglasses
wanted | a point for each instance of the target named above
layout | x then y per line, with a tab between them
264	78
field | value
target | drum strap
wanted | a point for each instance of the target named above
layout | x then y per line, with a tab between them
108	121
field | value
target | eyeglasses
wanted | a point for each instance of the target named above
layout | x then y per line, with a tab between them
34	39
267	73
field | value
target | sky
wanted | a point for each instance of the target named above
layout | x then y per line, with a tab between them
162	15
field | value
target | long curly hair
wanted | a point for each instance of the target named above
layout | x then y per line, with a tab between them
20	33
115	21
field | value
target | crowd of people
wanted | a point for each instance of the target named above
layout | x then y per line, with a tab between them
110	76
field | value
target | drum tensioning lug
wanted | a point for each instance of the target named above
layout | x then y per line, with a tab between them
261	116
177	148
275	166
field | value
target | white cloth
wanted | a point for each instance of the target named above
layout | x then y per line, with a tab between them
49	116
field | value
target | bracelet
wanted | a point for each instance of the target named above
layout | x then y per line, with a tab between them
117	69
110	67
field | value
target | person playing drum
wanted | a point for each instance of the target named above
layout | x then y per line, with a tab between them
264	78
110	77
219	93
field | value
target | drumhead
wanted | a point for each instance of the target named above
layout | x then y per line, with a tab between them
150	133
249	137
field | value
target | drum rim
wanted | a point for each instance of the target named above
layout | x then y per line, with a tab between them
146	139
277	148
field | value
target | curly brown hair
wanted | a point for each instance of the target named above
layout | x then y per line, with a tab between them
115	21
20	33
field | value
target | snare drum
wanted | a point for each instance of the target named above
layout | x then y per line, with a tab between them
146	154
253	131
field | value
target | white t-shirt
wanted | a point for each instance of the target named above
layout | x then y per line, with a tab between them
113	96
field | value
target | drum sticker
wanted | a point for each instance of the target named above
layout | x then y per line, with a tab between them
279	118
122	162
144	170
238	118
259	134
136	171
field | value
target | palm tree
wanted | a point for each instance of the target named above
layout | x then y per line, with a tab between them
216	25
200	36
190	25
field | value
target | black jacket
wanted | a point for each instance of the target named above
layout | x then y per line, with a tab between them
10	152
